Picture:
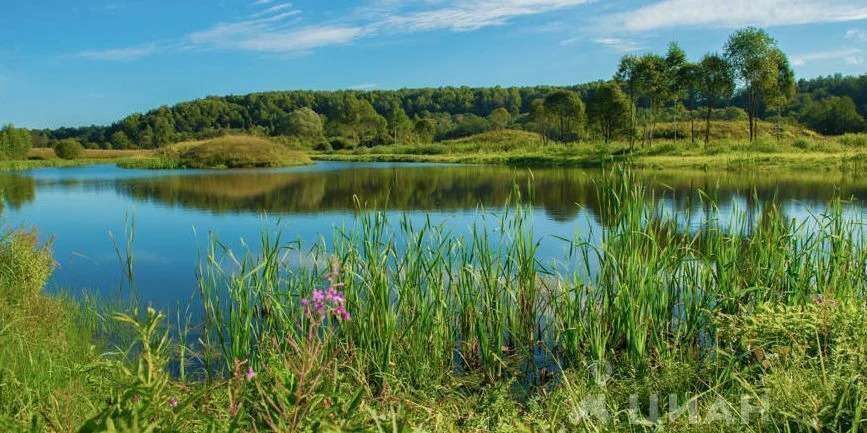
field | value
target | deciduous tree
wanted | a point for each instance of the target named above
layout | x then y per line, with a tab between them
567	108
609	109
715	82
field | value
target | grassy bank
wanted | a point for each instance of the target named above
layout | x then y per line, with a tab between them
517	148
45	157
793	147
46	349
754	324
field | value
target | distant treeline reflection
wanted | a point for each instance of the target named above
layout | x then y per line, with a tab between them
562	193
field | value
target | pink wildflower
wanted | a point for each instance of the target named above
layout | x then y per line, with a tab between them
250	374
327	302
173	402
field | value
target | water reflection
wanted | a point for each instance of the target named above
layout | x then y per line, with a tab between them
78	207
561	193
16	190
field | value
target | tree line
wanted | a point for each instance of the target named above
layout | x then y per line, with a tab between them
751	77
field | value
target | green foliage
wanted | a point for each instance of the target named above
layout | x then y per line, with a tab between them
68	149
715	83
303	124
45	345
568	112
762	68
833	116
608	109
14	142
425	130
500	118
467	125
24	266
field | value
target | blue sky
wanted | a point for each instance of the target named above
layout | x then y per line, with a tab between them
77	62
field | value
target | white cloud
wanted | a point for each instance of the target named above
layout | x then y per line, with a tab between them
120	54
274	9
299	40
735	13
850	56
617	44
269	35
465	15
363	86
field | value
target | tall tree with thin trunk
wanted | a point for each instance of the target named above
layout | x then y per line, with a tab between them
651	73
779	87
751	51
627	78
608	109
676	79
715	82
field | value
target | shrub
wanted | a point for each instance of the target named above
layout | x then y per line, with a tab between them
342	143
24	266
68	149
14	142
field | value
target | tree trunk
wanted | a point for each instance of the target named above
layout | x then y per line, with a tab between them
707	125
675	123
692	128
752	114
632	128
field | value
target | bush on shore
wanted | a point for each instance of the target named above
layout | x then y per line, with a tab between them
68	149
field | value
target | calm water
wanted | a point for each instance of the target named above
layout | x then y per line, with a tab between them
174	211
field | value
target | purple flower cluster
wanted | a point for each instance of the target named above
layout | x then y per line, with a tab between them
325	302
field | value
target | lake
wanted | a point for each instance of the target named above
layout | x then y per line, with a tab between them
84	212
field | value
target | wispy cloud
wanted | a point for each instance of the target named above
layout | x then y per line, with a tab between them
278	8
735	13
120	54
849	56
363	86
473	14
619	44
277	27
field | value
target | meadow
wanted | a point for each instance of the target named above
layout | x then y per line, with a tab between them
662	324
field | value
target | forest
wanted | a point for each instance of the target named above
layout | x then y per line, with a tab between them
750	79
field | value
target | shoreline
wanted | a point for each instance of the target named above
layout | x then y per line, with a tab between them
733	162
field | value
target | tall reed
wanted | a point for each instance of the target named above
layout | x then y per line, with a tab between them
429	305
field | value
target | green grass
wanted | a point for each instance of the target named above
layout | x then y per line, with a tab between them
45	346
230	151
797	148
474	333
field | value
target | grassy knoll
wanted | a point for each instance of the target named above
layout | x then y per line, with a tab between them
727	150
230	151
758	325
